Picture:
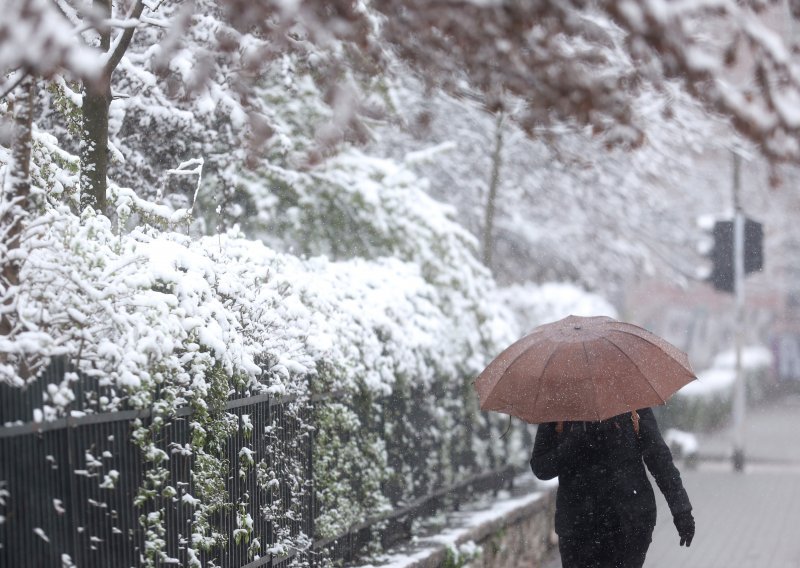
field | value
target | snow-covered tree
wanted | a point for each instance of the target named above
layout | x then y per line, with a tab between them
551	54
568	204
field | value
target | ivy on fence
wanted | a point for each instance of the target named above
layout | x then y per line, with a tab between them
221	481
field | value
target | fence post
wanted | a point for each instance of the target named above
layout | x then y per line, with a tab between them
312	492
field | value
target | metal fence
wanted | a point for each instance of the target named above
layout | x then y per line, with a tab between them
65	505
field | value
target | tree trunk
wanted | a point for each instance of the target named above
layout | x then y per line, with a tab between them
96	104
14	205
94	141
94	149
494	181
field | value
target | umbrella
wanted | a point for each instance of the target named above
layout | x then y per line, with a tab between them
581	368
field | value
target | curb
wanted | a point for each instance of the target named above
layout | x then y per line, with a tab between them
474	527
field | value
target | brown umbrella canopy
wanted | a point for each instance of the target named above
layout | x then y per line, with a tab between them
582	369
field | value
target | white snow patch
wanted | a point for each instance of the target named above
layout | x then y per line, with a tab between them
722	373
685	442
41	534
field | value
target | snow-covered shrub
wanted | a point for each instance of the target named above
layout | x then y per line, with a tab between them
706	403
682	444
461	555
368	296
435	317
155	319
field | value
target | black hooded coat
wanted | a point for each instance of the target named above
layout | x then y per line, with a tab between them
602	484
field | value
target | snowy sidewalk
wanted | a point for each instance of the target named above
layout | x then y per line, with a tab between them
772	435
744	520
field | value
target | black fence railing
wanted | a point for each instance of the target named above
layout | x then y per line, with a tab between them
396	526
69	486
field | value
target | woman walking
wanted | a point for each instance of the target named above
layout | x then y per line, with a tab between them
605	506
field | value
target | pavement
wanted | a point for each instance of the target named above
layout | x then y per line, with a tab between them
748	519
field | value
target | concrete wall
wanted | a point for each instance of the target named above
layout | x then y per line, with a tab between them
522	539
510	531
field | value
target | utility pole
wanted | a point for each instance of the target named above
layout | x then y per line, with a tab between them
739	393
491	198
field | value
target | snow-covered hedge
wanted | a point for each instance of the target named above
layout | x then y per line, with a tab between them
162	320
706	403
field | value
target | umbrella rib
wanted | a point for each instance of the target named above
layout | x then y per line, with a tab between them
651	343
511	364
594	383
628	357
541	383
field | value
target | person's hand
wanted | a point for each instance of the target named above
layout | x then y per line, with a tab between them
684	522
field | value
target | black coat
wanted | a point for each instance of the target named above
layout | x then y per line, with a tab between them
602	484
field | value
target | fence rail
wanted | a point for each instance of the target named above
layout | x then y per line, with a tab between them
72	484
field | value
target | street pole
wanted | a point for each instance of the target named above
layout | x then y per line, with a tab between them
739	393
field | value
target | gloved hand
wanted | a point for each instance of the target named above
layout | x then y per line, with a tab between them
684	522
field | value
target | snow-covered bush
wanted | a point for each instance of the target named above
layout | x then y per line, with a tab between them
155	319
436	330
682	444
706	403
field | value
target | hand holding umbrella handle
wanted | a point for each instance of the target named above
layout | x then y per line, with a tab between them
684	522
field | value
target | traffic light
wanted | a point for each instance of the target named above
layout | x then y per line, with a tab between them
722	275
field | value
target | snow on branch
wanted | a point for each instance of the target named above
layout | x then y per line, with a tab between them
196	165
123	40
38	39
746	73
568	60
